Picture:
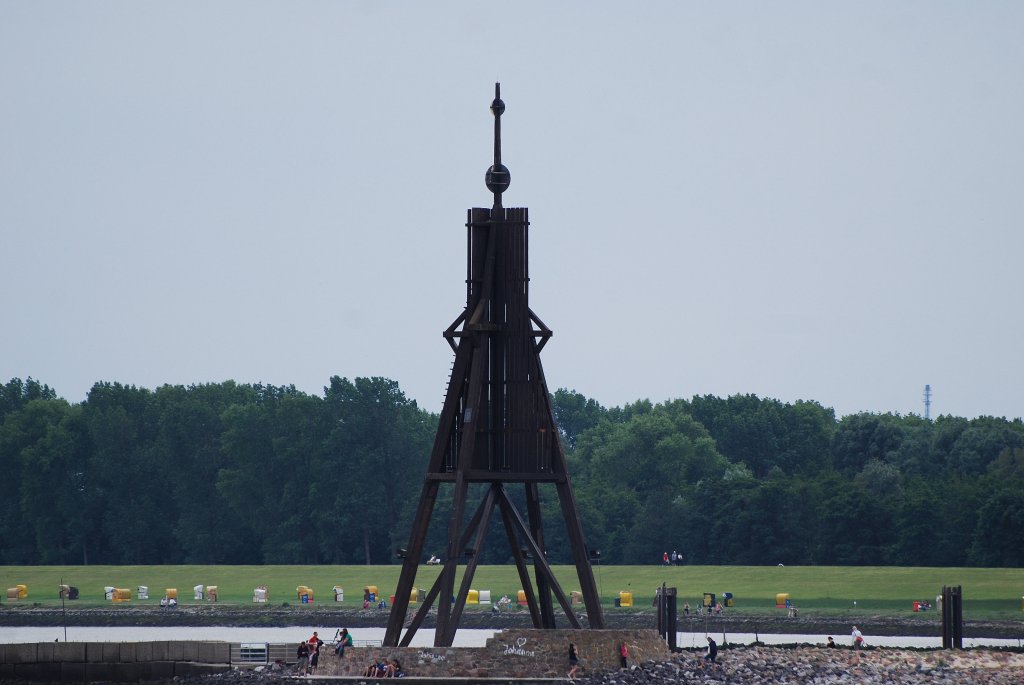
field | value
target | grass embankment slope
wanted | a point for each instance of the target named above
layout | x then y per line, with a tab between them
989	593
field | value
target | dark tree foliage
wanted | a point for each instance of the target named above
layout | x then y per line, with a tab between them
246	474
574	414
799	486
209	474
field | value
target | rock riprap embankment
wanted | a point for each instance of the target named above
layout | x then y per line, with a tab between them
765	666
772	666
811	665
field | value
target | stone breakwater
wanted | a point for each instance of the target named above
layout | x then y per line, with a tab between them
775	666
812	665
768	666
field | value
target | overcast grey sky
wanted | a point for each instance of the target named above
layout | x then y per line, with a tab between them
801	200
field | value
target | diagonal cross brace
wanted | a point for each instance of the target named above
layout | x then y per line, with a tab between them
538	554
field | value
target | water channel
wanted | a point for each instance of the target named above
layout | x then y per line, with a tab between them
423	638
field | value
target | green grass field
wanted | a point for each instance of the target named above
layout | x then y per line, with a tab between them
989	593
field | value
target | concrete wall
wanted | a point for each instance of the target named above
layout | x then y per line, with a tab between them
112	661
516	653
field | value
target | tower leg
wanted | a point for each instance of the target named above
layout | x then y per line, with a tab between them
580	555
412	559
455	544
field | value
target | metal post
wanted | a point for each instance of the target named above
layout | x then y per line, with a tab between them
952	617
63	609
671	617
957	616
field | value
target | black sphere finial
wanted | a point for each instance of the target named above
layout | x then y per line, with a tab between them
497	177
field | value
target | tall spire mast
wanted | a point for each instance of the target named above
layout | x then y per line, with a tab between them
497	177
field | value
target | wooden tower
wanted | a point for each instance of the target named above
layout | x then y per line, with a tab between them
497	428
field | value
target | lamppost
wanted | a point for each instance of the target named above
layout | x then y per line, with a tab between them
595	555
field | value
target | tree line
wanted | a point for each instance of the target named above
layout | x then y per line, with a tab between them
228	473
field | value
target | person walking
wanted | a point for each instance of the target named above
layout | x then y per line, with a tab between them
623	654
574	660
712	652
858	638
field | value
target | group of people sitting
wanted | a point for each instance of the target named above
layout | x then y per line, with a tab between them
382	668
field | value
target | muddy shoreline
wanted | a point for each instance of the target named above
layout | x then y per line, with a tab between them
205	615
